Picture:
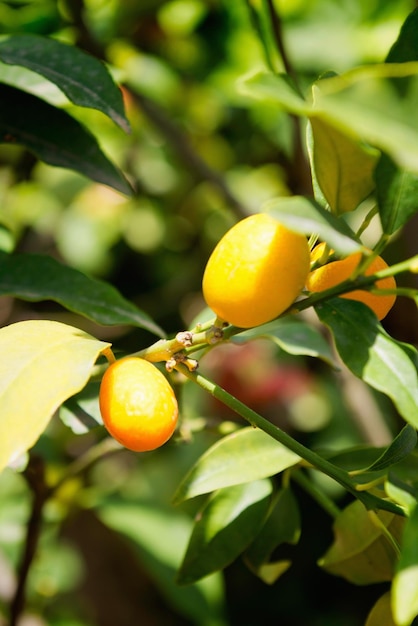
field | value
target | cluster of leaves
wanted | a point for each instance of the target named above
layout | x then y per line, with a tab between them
362	142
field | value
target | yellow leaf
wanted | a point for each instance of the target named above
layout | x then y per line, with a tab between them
361	552
43	363
381	613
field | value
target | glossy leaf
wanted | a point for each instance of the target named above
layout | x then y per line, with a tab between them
34	277
243	456
397	194
371	354
84	79
43	364
282	525
343	167
373	103
55	137
304	215
401	446
293	336
361	553
405	582
224	528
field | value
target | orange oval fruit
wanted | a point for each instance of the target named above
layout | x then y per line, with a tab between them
256	271
336	272
138	405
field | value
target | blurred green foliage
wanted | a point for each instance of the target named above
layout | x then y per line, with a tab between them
200	155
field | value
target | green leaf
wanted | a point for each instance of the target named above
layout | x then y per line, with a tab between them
361	552
405	47
343	167
277	88
400	492
43	364
305	216
81	412
84	79
293	336
405	582
401	446
245	455
381	613
371	354
397	194
224	527
374	104
35	277
55	137
282	525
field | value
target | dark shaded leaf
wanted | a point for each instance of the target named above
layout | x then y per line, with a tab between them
34	277
224	528
55	137
84	79
282	525
405	47
397	194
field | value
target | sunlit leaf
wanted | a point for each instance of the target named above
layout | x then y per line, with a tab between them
397	194
293	336
35	277
343	167
55	137
401	446
243	456
361	552
84	79
373	103
224	528
277	88
401	492
43	364
371	354
405	582
304	215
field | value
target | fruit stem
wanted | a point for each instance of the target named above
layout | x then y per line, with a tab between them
339	475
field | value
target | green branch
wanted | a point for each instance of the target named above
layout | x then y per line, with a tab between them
342	477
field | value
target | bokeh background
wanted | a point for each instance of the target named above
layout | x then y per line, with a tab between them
201	154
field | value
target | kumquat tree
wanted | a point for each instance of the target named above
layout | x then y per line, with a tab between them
208	313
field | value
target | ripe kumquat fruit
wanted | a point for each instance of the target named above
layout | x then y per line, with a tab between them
138	405
336	272
256	271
